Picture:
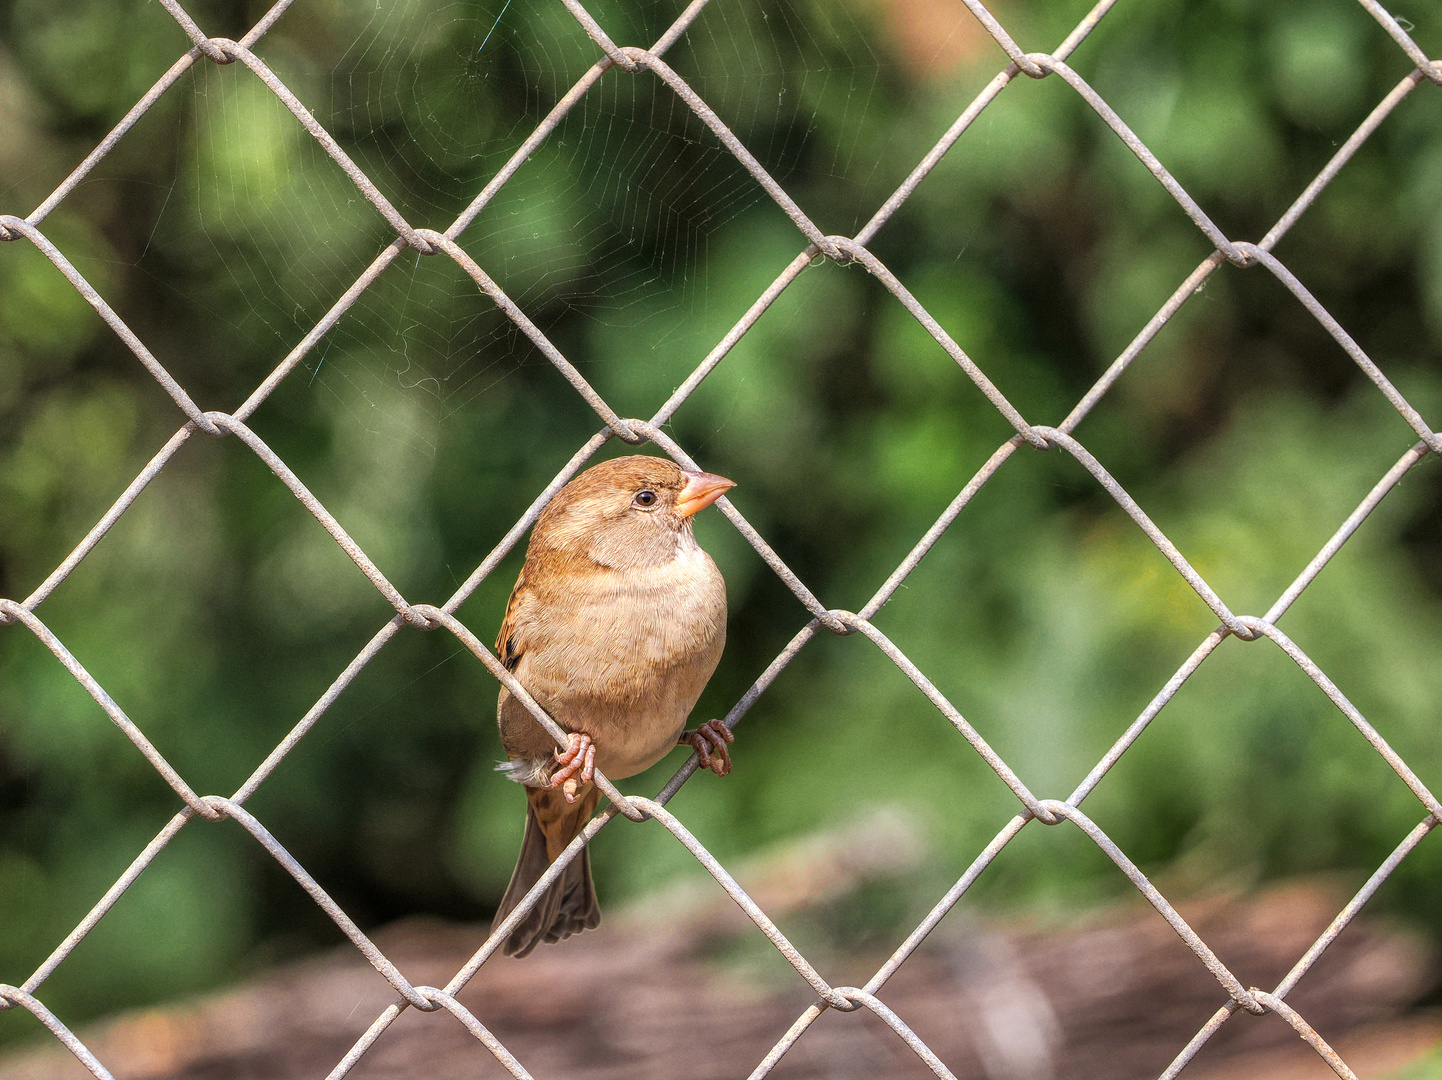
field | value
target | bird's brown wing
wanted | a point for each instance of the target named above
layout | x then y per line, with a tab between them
522	737
508	647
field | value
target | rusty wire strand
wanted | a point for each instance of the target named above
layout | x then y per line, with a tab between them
1308	1034
19	227
619	61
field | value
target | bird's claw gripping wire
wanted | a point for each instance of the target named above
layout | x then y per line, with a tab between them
709	741
577	766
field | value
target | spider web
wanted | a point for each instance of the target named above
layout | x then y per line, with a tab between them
610	226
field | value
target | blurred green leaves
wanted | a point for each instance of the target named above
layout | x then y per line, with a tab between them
217	611
95	59
1319	65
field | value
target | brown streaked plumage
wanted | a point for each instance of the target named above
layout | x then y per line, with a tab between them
616	623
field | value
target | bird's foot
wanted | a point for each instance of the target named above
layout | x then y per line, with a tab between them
576	766
709	741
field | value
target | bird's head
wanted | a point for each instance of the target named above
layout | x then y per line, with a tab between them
629	511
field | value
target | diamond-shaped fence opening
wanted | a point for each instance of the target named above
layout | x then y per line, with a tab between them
812	243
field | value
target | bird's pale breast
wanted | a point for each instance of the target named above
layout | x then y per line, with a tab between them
621	655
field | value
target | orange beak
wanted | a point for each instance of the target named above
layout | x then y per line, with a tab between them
701	490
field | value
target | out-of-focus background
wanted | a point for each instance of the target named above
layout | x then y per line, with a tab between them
217	610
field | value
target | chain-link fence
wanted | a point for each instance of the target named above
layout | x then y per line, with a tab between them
638	62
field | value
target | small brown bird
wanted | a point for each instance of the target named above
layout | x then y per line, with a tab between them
615	625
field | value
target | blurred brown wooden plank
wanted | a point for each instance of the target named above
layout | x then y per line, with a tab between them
644	997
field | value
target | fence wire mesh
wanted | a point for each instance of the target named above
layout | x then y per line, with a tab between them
642	62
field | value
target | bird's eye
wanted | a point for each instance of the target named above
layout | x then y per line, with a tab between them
645	498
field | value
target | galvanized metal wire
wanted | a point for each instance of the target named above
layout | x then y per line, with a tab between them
1033	811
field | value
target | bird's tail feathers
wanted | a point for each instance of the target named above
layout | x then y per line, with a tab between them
569	905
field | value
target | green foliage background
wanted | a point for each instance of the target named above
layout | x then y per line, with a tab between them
217	610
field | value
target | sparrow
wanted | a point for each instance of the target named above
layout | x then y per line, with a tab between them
614	626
